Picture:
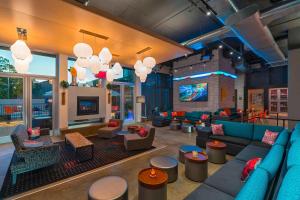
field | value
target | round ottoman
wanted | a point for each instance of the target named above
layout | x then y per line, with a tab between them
216	152
109	188
186	149
167	164
196	167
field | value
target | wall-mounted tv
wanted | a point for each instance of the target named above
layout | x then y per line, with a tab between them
193	92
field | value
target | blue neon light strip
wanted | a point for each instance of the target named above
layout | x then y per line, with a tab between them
206	75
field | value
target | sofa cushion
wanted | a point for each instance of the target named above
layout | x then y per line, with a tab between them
235	140
129	137
259	131
217	129
289	189
228	178
295	136
293	157
272	160
236	129
252	151
204	192
256	186
270	137
261	144
282	138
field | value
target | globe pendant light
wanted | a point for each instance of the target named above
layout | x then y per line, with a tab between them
109	75
94	64
117	68
81	73
104	67
105	56
149	62
82	50
83	62
137	64
20	50
21	66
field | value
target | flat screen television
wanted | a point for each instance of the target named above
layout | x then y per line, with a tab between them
193	92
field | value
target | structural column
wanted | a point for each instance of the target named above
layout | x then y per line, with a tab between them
138	106
293	75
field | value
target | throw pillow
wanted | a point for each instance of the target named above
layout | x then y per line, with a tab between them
249	167
217	129
112	124
223	114
34	133
228	111
163	114
269	137
204	117
143	132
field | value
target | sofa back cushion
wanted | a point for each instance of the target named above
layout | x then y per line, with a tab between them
289	189
297	127
18	136
259	131
273	160
282	138
295	136
293	157
256	186
237	129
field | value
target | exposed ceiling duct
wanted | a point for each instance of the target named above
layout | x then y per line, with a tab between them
270	53
248	27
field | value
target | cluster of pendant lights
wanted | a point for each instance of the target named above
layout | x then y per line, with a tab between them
142	69
21	55
86	60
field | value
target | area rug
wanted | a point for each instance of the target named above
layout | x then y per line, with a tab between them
106	151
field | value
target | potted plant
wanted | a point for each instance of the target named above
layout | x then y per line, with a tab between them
64	84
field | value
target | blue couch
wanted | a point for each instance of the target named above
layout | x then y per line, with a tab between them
264	182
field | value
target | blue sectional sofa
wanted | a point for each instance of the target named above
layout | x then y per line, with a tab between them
276	177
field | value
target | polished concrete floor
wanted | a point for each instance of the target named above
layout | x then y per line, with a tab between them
167	143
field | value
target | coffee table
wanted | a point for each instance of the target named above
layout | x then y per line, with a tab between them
216	152
196	167
79	143
151	188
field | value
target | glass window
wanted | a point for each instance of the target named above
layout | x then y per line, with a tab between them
40	65
128	76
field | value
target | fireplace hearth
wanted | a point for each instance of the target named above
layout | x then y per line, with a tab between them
87	105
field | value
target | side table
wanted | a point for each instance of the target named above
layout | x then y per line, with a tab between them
152	187
216	152
196	167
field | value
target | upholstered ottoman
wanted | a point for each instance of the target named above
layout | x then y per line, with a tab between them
109	188
175	126
186	149
187	128
167	164
196	167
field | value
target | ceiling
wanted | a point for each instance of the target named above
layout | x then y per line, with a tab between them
53	26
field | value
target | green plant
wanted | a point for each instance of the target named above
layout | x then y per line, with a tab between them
64	84
108	86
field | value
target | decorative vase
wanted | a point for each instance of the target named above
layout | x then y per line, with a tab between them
74	81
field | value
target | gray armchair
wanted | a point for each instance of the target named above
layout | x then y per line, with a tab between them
29	159
136	142
110	132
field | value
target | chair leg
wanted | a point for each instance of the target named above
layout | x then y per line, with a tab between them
14	179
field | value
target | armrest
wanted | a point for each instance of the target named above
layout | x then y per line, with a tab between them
30	154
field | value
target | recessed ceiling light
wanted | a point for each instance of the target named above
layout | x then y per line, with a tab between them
231	53
239	57
220	46
208	13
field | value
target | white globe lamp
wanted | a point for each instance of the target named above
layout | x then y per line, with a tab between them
109	75
105	56
81	73
83	62
104	67
94	64
20	50
149	62
82	50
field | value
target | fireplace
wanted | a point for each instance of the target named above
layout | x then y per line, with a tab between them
87	105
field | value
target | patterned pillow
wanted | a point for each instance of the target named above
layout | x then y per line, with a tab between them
204	117
217	129
163	114
249	167
34	132
223	114
269	137
143	132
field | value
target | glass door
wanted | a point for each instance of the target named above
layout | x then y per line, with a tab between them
128	103
116	102
11	104
41	103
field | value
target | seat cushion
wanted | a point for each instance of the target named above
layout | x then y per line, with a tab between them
255	187
228	178
283	138
272	160
204	192
252	151
261	144
132	137
230	139
237	129
293	157
289	189
259	131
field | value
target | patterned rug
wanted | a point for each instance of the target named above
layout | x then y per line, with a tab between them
106	151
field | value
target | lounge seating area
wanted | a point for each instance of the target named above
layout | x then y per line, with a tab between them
150	100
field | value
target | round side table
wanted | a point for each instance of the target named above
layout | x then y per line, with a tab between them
196	167
187	149
167	164
216	152
117	190
152	187
175	126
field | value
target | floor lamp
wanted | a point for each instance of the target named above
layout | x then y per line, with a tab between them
142	100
